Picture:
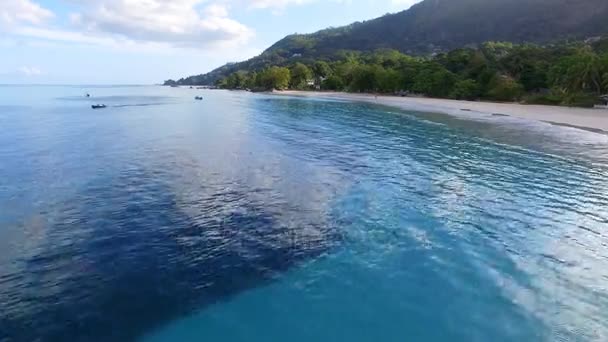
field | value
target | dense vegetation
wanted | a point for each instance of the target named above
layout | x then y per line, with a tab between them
435	26
574	74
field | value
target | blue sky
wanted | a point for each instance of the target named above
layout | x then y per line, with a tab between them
148	41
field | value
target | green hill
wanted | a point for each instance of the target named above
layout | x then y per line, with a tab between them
434	26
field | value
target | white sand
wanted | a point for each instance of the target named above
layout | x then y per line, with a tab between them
591	119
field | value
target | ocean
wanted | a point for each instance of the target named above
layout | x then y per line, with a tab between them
251	217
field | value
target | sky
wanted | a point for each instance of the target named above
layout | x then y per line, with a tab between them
149	41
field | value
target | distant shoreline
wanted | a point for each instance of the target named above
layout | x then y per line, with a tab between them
593	120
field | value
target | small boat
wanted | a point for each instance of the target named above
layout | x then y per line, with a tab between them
198	98
98	106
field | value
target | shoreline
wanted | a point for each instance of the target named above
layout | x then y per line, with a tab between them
592	120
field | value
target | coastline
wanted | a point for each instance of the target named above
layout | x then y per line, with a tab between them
594	120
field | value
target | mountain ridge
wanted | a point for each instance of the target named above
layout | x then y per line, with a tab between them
434	26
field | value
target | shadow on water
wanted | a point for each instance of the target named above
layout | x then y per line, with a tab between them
124	258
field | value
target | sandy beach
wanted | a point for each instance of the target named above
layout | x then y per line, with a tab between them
588	119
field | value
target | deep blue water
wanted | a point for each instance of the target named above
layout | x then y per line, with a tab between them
249	217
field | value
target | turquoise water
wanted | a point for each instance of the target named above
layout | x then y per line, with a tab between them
248	217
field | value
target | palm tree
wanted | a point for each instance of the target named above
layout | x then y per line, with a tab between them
578	73
590	73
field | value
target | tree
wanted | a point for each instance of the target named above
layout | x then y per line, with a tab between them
222	83
365	78
300	75
251	82
389	80
457	61
534	76
504	88
409	70
231	81
236	80
478	67
345	70
578	73
387	58
333	82
495	51
575	73
275	78
434	80
465	90
604	71
321	69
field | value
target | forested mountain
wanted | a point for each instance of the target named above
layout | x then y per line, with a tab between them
434	26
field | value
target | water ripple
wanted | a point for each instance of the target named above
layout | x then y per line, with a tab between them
250	215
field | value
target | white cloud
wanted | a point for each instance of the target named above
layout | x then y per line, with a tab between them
216	10
13	12
276	3
55	35
177	22
143	24
30	71
282	4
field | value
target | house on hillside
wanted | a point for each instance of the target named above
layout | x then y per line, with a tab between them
315	83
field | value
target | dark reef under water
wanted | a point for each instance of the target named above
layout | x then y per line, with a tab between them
139	256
